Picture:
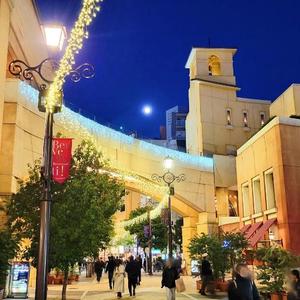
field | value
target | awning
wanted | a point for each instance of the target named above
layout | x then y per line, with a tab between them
252	229
261	232
245	228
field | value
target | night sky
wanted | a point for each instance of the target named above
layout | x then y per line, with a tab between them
140	47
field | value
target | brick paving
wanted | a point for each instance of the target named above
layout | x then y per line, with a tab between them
90	289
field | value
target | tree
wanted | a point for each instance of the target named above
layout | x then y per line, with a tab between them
159	230
213	246
8	244
82	209
235	245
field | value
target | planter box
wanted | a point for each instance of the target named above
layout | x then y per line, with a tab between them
279	296
223	286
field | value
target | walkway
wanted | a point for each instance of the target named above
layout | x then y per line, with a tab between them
89	289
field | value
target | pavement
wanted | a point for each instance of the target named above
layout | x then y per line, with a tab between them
90	289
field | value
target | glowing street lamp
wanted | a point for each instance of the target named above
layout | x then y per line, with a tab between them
168	177
168	163
55	36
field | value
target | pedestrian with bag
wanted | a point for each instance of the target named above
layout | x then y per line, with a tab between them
119	278
99	266
169	277
132	269
206	273
243	286
110	268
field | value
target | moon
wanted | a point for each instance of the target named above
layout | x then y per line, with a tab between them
147	110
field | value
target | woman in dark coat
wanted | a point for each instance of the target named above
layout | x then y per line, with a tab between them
169	276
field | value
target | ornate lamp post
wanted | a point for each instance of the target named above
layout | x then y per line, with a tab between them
168	177
149	205
54	38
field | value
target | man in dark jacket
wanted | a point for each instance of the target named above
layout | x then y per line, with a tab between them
243	287
206	274
132	269
110	268
140	264
99	266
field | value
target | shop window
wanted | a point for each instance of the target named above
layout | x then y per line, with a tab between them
228	116
256	195
262	118
245	118
270	191
245	199
214	66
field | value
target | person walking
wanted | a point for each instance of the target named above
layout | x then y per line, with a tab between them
169	276
132	269
119	278
206	274
99	266
242	287
294	293
110	268
140	266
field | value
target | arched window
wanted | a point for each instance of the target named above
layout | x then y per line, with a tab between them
214	66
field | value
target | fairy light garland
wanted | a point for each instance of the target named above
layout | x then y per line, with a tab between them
78	34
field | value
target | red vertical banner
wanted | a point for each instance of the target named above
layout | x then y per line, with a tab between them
61	159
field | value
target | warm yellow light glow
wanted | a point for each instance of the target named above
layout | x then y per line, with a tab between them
55	36
168	163
78	34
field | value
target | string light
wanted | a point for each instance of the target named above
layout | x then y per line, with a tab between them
78	34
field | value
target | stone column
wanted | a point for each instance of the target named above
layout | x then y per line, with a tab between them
189	230
207	223
4	33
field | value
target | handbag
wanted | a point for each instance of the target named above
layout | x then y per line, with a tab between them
180	286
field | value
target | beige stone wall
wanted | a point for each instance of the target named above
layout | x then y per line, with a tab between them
275	147
4	33
288	103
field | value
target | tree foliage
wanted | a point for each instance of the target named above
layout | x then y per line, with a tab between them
81	214
159	230
224	251
275	263
8	245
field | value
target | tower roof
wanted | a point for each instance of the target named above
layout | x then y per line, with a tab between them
206	49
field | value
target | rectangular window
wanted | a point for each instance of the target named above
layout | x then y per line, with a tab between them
228	116
256	195
245	119
245	195
262	118
270	190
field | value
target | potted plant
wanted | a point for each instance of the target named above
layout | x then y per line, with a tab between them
276	262
213	246
234	247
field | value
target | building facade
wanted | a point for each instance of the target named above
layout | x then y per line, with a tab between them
175	126
218	121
